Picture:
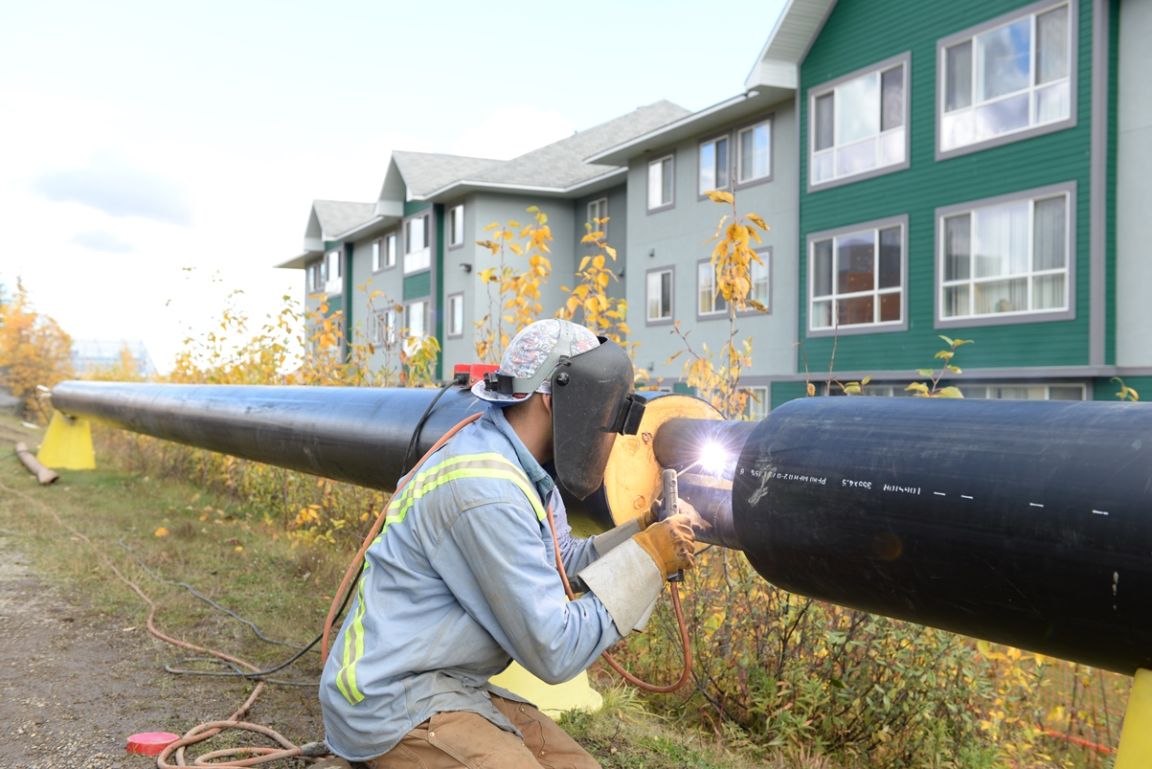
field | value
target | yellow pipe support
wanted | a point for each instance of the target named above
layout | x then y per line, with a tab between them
68	444
1135	750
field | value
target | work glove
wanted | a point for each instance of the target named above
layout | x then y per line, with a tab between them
670	544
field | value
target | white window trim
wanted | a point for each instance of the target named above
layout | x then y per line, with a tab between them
740	182
662	206
333	283
968	389
315	275
456	226
391	246
1017	316
904	59
662	319
860	328
1032	130
758	404
593	215
765	255
452	300
421	258
701	192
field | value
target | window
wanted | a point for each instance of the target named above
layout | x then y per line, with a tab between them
415	324
754	153
598	209
659	298
456	226
376	252
713	165
756	408
417	255
660	173
710	304
1025	392
314	276
456	315
856	278
1008	257
332	282
390	250
1006	78
858	124
382	328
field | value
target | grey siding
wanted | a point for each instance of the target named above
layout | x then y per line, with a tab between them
1133	175
679	236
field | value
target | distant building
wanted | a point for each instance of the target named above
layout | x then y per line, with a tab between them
91	356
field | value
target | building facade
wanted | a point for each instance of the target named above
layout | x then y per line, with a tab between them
974	170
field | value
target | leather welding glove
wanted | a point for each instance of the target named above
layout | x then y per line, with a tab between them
625	531
670	544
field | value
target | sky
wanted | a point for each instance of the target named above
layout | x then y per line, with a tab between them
157	159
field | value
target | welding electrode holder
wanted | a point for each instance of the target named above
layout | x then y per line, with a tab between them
669	505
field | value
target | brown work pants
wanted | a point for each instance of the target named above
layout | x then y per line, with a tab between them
461	738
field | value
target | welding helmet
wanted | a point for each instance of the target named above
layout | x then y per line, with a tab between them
590	381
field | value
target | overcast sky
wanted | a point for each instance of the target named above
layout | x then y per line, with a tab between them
156	157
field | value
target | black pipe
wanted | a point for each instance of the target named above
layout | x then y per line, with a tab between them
1027	523
354	434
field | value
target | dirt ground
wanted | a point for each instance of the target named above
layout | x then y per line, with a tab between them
75	683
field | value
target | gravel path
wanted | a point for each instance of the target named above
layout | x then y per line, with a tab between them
75	683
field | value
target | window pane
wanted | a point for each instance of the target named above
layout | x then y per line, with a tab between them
1001	246
707	167
822	268
1048	293
761	281
889	308
856	158
1001	296
665	294
858	113
1052	103
1049	242
722	163
825	115
1052	45
1002	116
957	247
956	301
706	288
754	152
1065	393
1005	59
822	314
856	310
666	180
653	295
958	76
892	98
891	147
890	258
855	261
658	183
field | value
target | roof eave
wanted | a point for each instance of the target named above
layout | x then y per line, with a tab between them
464	186
300	261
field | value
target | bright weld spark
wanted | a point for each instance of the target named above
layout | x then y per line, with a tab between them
714	458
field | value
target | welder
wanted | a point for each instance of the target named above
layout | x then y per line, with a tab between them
464	578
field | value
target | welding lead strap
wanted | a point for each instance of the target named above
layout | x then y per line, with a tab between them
608	658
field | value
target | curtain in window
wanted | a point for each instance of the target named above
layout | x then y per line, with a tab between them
1002	240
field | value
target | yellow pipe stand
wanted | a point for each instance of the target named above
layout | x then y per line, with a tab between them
1136	737
68	444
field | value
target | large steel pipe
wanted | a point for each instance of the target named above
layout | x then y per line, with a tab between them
354	434
1028	523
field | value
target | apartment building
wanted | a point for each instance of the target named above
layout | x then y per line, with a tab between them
976	170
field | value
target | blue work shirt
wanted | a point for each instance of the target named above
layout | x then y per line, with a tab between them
461	580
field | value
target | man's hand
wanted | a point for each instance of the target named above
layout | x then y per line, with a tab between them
670	544
652	515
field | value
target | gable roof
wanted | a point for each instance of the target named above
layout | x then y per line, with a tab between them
333	217
562	168
788	43
425	172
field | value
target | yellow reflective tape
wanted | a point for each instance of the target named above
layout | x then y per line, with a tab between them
353	648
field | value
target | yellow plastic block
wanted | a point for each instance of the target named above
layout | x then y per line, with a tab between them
68	444
553	700
1136	737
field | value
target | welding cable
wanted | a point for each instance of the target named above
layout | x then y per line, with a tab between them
203	731
611	661
458	380
345	589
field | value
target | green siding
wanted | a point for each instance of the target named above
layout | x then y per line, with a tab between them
1110	187
438	300
782	392
415	206
1104	389
858	35
418	286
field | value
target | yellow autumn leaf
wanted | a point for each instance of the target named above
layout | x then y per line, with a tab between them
161	532
719	196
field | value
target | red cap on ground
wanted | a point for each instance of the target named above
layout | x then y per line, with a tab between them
151	743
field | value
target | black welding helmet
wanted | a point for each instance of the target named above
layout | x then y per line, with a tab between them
590	381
